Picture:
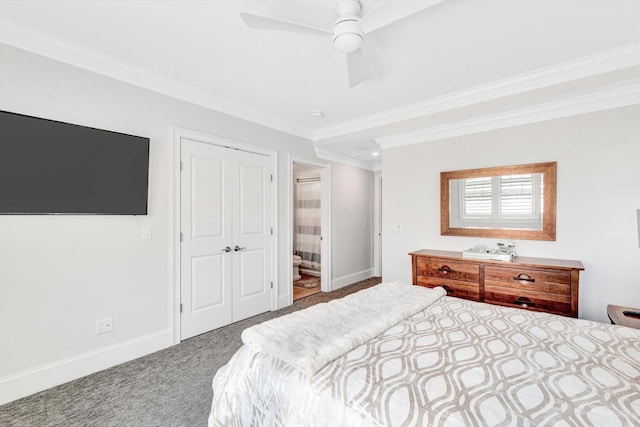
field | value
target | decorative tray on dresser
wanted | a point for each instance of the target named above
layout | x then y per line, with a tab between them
549	285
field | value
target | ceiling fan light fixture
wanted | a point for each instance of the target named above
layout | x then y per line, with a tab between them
347	34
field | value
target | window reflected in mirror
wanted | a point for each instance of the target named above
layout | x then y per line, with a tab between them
504	202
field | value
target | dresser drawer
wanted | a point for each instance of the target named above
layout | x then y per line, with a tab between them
559	303
552	281
448	269
454	288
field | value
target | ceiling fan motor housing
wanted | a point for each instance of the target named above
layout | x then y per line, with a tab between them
347	34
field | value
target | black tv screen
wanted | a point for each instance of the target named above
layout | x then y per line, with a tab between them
50	167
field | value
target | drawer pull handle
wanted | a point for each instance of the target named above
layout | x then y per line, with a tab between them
525	302
445	269
524	278
448	289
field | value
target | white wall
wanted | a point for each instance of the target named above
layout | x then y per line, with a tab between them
351	215
598	192
58	274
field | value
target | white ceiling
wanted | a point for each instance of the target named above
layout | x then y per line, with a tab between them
459	66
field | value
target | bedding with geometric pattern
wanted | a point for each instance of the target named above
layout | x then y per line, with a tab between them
454	363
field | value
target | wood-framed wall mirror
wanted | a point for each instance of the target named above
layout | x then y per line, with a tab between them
509	202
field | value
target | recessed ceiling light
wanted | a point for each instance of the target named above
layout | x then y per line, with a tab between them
375	153
318	114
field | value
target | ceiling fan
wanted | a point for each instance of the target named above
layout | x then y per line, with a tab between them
349	29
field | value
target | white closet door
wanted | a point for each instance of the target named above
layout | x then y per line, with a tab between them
206	270
252	236
225	202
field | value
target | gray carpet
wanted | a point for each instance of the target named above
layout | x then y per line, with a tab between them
171	387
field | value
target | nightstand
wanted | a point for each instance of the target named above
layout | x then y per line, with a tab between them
617	318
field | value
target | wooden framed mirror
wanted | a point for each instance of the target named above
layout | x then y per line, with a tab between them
510	202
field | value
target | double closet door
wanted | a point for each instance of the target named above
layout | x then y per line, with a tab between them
226	240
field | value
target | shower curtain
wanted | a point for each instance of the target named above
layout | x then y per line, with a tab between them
307	236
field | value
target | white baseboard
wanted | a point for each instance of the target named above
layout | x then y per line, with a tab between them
31	381
349	279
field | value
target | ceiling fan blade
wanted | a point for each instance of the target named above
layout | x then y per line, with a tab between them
358	68
265	23
391	11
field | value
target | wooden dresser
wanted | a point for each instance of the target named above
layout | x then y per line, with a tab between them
549	285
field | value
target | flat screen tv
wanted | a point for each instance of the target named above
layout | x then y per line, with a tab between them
50	167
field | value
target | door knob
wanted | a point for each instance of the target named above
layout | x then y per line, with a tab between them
238	248
227	249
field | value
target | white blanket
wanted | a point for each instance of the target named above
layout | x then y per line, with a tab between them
311	338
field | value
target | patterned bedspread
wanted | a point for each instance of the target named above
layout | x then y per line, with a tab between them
456	363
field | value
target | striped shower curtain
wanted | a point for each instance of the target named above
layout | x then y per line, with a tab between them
307	236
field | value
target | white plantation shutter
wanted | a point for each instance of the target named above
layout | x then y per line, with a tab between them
510	201
516	196
477	198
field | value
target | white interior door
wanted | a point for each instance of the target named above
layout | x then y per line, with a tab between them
206	269
225	196
251	235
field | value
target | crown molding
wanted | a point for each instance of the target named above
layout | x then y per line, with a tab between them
36	41
598	101
603	62
33	40
324	154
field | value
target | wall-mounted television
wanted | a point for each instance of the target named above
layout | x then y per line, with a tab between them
50	167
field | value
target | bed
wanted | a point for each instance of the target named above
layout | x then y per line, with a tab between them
402	355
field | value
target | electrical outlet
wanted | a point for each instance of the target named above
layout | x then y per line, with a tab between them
104	325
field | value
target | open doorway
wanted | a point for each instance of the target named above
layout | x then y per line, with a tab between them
307	231
310	212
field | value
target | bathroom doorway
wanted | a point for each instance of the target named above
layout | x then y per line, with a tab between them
309	269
